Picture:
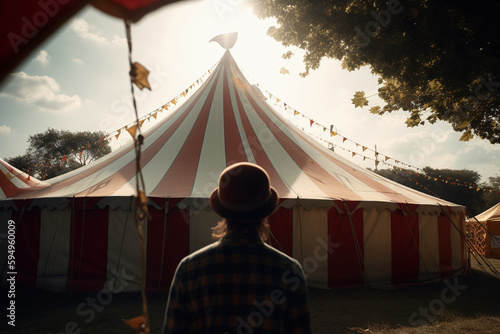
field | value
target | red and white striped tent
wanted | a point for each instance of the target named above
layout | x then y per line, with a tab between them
345	224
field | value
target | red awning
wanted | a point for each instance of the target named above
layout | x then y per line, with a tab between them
26	24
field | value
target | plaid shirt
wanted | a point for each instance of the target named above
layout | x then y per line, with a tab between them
241	286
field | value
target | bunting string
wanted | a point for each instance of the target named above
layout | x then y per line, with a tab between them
130	128
379	157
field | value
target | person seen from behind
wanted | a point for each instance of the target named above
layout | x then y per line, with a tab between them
239	284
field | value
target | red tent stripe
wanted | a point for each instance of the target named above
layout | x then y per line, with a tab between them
445	250
167	241
461	226
345	259
186	162
8	188
314	171
19	175
393	195
89	249
404	245
47	191
281	237
258	152
233	144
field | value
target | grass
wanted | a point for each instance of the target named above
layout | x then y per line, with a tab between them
474	310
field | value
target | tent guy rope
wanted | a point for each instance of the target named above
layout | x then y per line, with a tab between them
141	325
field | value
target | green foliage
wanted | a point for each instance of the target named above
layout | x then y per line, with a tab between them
22	162
452	185
436	59
492	194
55	152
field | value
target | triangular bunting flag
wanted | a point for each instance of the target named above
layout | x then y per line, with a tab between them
387	158
364	148
132	130
333	133
344	139
174	102
295	113
139	76
155	115
141	122
311	122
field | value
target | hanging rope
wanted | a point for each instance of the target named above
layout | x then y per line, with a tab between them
141	323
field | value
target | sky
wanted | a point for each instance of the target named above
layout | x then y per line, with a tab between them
78	80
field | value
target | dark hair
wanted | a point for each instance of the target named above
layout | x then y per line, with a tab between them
258	227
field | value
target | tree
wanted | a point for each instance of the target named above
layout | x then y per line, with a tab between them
459	186
492	191
55	152
436	59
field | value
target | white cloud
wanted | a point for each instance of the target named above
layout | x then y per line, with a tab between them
77	61
43	57
5	130
40	91
88	33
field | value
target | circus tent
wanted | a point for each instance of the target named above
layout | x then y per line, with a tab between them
491	222
346	225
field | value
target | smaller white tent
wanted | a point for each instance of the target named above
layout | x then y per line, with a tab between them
491	221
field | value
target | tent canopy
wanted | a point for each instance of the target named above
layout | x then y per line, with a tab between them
26	24
492	214
345	224
226	121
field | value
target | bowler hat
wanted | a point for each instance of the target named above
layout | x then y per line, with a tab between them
244	193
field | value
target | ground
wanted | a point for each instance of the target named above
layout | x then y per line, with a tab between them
467	305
